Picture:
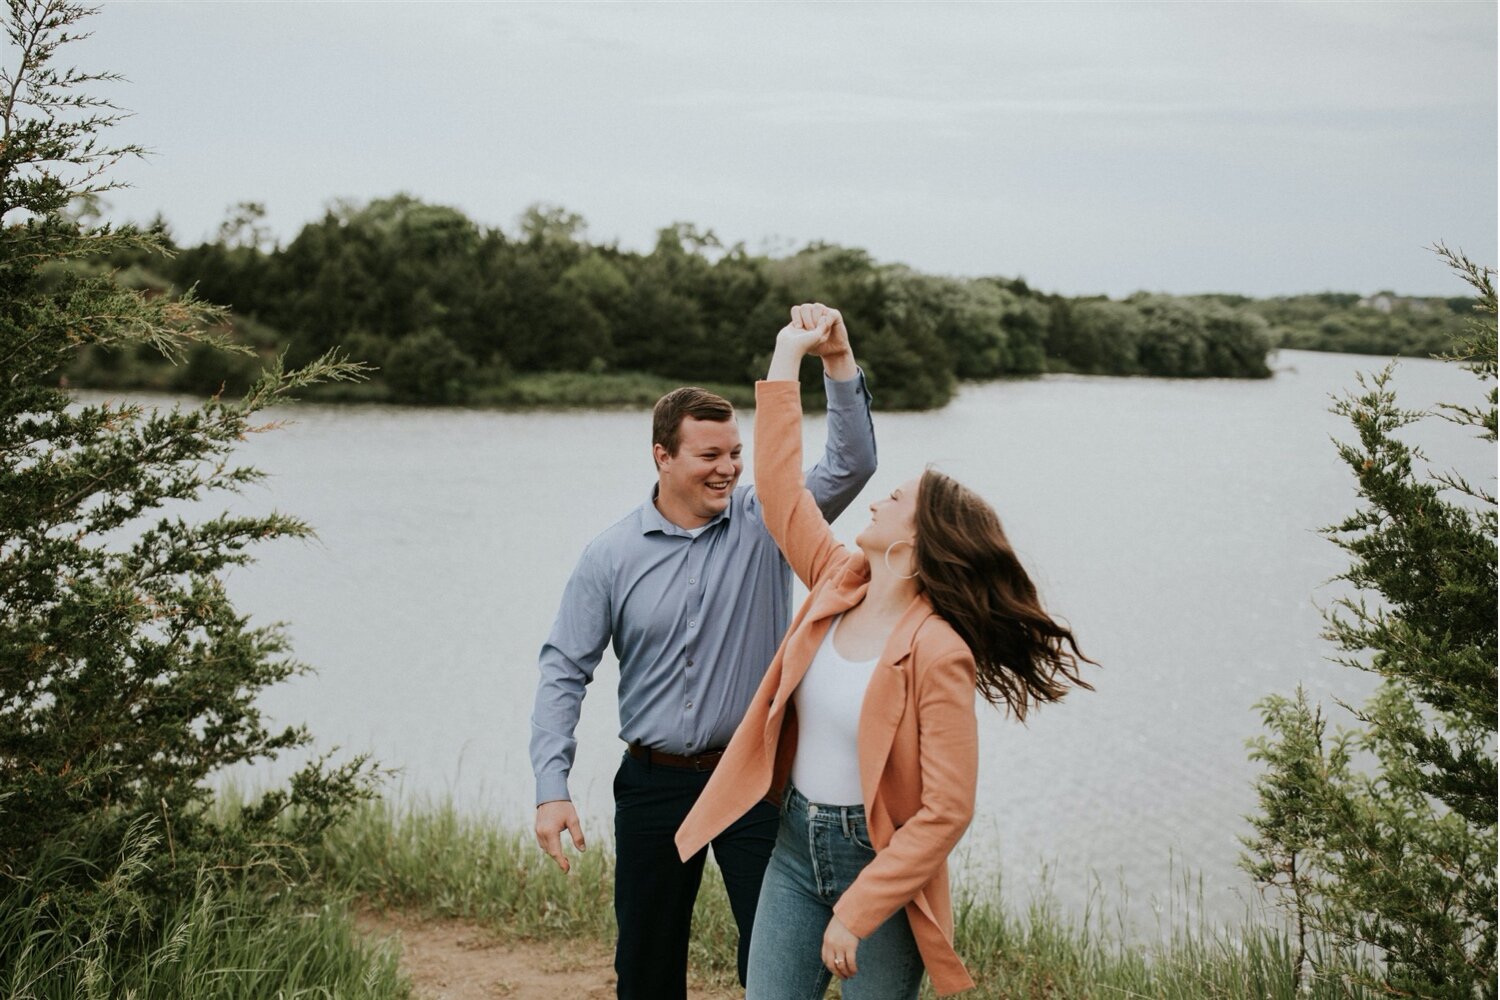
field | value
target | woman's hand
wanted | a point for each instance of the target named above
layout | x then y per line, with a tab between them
810	318
839	946
803	340
809	314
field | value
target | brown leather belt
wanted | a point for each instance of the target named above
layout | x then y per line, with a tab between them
702	762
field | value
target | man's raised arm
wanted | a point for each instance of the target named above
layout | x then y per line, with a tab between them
848	459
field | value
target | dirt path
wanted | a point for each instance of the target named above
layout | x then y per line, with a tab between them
454	960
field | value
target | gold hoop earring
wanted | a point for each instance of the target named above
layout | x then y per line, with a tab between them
899	541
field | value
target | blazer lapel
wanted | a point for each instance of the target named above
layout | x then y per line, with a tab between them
886	698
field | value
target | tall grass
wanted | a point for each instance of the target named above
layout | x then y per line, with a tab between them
1042	953
435	860
235	944
438	861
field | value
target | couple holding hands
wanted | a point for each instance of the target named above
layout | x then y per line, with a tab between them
831	771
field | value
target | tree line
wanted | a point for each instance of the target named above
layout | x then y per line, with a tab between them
1343	322
447	310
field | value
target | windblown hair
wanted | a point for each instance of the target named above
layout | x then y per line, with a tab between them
679	404
969	571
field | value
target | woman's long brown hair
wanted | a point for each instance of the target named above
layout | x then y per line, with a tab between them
969	571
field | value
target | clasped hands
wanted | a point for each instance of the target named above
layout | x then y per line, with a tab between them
818	330
815	329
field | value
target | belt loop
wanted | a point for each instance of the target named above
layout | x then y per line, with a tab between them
844	818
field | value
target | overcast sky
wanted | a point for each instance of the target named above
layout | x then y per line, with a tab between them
1093	147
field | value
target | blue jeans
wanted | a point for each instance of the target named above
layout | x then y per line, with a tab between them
819	852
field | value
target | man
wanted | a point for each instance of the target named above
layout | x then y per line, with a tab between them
696	597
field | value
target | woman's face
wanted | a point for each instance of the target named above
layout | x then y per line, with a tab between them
893	518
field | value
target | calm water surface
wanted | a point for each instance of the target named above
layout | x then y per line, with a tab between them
1174	523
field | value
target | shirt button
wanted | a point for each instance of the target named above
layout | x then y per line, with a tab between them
692	580
689	704
692	624
690	744
690	661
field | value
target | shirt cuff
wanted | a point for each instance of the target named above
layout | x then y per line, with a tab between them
848	392
551	788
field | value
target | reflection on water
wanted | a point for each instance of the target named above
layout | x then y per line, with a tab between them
1173	523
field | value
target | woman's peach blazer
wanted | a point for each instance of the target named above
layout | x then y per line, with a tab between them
918	747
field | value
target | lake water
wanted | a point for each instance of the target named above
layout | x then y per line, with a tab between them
1174	523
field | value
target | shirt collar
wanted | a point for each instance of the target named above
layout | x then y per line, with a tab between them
653	520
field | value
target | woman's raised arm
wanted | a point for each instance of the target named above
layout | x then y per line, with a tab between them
791	514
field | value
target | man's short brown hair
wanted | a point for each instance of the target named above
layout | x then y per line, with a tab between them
675	406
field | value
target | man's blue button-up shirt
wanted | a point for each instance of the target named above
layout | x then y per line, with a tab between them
694	617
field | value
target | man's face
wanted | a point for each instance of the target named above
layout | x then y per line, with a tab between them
698	480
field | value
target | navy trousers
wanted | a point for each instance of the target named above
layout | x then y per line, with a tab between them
654	891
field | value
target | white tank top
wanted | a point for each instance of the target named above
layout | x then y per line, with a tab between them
828	701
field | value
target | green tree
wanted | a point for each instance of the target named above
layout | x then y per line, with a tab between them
1401	858
588	300
1171	342
427	367
127	677
1235	342
970	319
1097	336
1026	322
1285	854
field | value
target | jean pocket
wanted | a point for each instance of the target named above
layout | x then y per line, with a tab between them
860	834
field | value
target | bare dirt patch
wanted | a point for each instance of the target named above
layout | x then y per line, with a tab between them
455	960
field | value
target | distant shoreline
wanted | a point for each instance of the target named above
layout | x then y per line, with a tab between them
565	391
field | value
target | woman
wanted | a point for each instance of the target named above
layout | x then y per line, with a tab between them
864	727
